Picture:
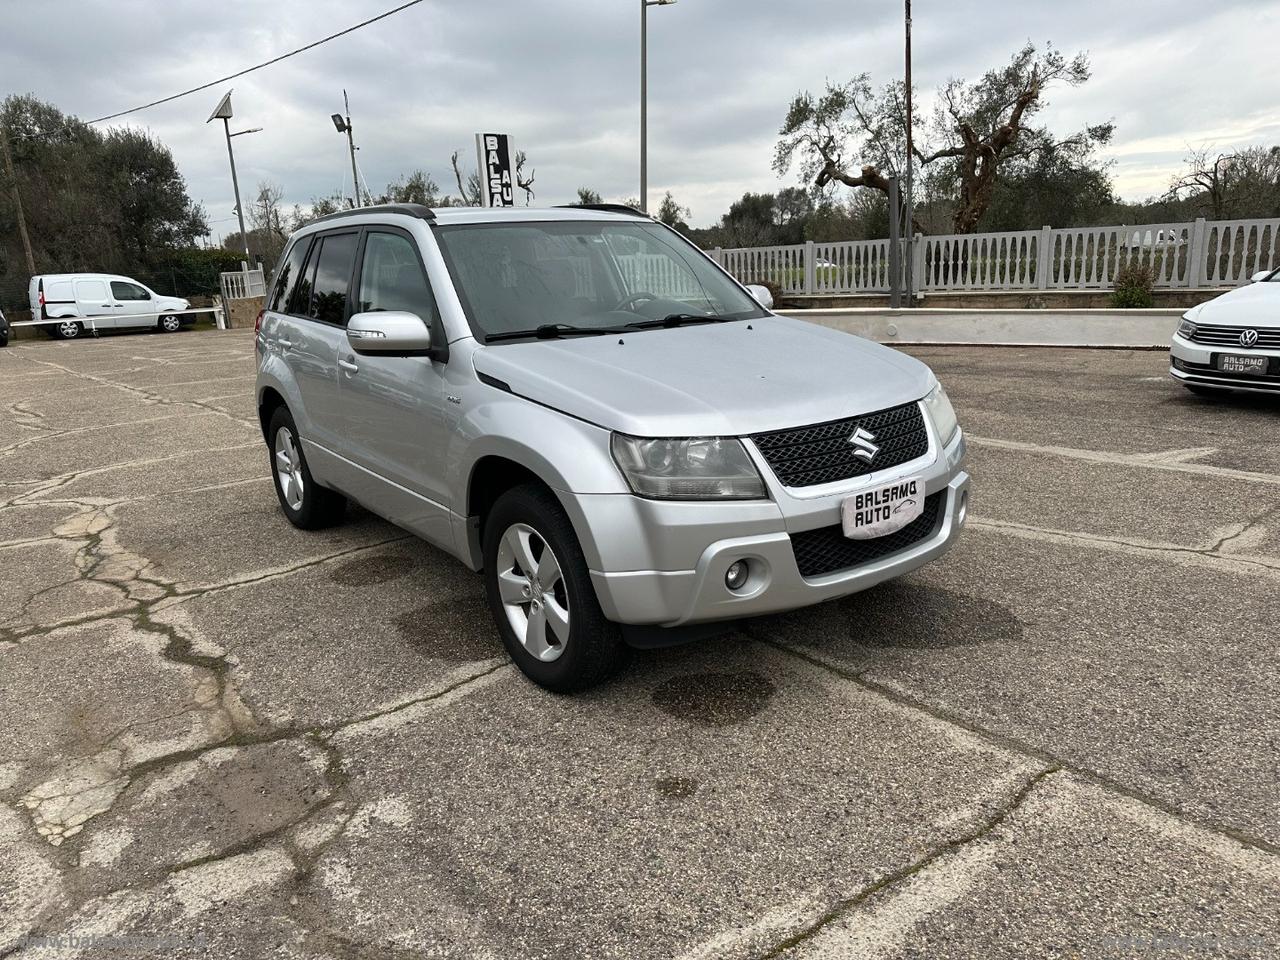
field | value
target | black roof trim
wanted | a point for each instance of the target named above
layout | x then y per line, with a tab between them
606	207
405	209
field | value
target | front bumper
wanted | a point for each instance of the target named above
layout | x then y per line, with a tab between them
670	593
1195	364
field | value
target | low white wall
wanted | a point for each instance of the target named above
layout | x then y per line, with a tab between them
1069	328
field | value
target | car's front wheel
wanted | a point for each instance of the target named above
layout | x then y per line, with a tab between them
170	323
308	505
541	596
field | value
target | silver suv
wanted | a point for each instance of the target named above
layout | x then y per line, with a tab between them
586	408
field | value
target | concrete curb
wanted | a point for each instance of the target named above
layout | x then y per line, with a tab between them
1024	328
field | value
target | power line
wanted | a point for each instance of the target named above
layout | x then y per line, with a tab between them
283	56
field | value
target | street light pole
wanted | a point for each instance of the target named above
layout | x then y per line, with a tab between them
343	125
235	185
644	97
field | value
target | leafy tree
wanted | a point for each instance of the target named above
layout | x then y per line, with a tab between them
1245	183
586	195
672	214
417	187
92	200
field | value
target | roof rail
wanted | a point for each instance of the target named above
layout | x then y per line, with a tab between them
406	209
606	207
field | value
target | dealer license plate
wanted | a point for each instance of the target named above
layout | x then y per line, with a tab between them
1233	363
882	510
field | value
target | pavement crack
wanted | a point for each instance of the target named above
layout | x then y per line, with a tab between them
904	873
1013	744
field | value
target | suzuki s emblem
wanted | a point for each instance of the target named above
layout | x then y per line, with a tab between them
862	445
1248	338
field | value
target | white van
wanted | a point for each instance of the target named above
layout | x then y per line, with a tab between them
101	301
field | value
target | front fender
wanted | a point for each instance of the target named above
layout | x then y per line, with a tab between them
570	456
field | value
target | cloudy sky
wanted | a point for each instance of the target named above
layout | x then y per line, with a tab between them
562	76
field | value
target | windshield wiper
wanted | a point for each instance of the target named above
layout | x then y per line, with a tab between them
677	320
550	331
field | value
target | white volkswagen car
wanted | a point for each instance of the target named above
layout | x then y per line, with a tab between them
1231	342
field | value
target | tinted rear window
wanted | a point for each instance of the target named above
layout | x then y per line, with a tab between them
333	276
287	281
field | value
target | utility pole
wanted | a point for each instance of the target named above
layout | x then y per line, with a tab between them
910	213
343	125
17	201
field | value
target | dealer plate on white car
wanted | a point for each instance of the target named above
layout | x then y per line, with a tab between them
882	510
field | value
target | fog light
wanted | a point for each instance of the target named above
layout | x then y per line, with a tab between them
735	578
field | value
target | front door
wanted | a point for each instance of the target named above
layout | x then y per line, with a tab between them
392	416
129	300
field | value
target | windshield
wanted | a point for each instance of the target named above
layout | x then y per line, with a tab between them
583	274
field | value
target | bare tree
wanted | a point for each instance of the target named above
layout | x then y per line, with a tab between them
523	182
854	136
470	193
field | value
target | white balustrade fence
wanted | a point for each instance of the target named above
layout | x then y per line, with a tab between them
1199	254
242	284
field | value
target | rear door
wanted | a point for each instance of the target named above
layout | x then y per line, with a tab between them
392	407
314	329
130	299
93	299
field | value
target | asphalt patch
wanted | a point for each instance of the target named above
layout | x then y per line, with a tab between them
369	570
455	631
912	615
714	699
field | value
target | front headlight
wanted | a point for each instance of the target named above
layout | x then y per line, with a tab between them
1186	329
942	414
697	468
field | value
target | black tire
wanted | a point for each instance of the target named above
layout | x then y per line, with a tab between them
67	330
593	650
169	323
316	507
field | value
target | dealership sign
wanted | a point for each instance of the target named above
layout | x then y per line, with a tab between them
496	176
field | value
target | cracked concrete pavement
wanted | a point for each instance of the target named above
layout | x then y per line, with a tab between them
225	737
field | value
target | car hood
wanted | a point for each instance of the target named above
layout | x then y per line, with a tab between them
719	379
1255	303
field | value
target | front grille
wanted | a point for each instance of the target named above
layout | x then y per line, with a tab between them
1220	336
822	453
828	550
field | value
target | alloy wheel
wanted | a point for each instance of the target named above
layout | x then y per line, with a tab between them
533	591
289	468
171	323
69	329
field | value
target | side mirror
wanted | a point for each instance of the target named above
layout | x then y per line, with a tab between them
762	295
393	333
1260	275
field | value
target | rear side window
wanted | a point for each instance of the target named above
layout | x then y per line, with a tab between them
122	290
88	291
334	263
392	278
287	281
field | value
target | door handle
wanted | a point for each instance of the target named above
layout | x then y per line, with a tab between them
348	365
284	344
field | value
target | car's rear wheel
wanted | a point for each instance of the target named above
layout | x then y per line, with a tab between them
170	323
68	329
541	595
308	505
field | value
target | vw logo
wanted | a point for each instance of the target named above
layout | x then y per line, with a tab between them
1248	338
862	445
